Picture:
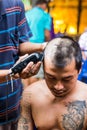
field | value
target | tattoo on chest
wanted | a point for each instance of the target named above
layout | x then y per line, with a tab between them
75	116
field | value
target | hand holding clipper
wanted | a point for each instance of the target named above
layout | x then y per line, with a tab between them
34	57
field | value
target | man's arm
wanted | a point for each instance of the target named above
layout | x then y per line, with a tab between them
48	27
25	121
47	35
84	56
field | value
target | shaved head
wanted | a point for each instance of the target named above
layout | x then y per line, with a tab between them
61	51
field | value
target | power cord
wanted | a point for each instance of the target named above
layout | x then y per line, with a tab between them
7	88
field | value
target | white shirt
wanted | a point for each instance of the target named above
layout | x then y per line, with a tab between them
83	42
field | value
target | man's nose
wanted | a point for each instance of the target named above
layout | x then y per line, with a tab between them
59	85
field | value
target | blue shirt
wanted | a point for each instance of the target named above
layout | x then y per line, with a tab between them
38	21
13	31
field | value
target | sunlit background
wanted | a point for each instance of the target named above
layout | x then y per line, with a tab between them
68	15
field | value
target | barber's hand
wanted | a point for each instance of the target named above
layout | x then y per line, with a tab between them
30	70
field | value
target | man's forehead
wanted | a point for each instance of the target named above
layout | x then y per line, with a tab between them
49	65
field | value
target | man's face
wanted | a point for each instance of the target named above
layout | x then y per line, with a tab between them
44	6
60	81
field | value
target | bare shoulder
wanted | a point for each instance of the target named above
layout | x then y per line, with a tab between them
82	85
35	90
83	88
37	86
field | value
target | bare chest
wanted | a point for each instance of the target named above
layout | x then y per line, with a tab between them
66	116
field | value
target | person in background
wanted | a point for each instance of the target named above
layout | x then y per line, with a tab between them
40	23
58	102
14	36
83	44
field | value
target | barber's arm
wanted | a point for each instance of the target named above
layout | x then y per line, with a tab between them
29	47
31	69
25	121
3	75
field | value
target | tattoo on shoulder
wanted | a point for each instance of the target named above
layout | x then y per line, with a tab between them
23	124
75	116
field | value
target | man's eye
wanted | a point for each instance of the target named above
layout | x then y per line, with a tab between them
50	77
68	79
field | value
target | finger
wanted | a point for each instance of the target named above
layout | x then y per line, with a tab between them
28	68
36	68
31	72
26	71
